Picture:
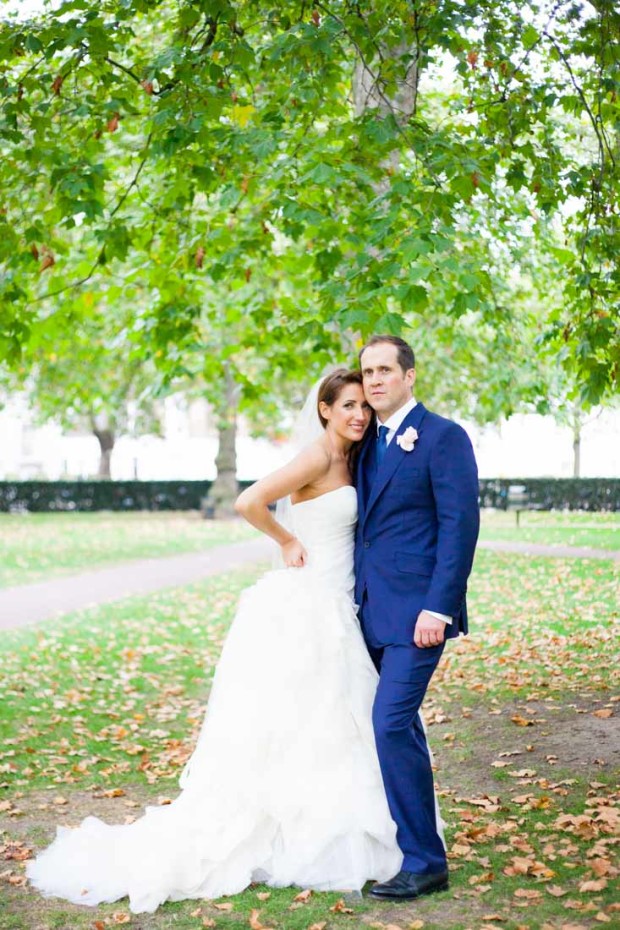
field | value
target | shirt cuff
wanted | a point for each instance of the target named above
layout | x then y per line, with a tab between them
444	617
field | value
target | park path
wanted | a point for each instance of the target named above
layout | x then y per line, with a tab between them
30	603
23	605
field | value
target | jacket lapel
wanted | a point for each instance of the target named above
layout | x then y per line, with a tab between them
363	464
393	457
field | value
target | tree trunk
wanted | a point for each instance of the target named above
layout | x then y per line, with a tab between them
106	445
576	445
368	87
224	489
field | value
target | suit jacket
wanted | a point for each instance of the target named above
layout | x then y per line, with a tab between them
418	521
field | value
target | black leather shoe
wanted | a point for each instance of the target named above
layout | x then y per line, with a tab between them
407	885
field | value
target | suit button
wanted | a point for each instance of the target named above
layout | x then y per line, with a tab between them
366	544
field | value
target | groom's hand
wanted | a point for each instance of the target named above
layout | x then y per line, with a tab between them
429	631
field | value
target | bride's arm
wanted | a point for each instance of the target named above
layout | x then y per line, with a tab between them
308	467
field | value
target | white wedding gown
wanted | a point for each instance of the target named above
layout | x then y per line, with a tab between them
284	785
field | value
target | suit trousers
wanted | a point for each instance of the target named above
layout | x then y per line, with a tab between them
405	671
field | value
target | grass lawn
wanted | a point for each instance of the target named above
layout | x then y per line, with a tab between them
37	546
101	709
563	528
41	545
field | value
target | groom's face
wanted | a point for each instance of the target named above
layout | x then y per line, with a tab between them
386	386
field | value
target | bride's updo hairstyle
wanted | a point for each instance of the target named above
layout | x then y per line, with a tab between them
332	385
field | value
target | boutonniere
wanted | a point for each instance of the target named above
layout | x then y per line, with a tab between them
407	439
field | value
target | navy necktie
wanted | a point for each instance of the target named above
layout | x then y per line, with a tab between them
382	444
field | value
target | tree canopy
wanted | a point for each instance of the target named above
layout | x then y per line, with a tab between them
256	179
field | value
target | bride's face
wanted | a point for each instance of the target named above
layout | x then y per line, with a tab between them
349	415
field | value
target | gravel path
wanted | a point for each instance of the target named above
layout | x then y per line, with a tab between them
32	603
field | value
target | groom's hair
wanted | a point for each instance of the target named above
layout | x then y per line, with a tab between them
406	358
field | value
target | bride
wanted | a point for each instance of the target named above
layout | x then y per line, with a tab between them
284	785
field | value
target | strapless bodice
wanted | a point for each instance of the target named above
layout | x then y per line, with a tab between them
326	527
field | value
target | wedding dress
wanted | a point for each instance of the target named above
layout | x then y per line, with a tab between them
284	785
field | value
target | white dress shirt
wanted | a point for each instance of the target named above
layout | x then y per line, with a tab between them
393	424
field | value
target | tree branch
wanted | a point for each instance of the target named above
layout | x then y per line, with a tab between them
75	284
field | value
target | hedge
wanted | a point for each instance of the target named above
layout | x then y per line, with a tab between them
501	493
551	493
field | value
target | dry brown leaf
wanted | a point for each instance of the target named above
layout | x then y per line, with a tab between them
595	884
320	926
208	922
529	894
340	907
459	849
603	713
255	923
497	917
522	721
120	917
263	895
602	866
416	924
17	879
602	917
227	906
303	896
556	890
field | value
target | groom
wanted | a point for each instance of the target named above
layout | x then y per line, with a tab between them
418	519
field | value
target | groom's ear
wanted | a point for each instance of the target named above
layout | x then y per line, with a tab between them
410	375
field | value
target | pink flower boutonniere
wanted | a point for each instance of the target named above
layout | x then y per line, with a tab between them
407	439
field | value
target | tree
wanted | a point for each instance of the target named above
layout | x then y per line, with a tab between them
182	148
86	378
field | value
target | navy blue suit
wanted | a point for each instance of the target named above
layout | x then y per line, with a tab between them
418	522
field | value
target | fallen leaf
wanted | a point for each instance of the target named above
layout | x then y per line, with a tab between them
603	713
263	895
600	866
120	917
556	890
255	923
340	907
595	884
522	721
303	896
529	893
224	907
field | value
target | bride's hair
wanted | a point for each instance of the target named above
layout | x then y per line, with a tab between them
331	387
329	392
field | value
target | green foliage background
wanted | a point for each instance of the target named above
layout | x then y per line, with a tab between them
202	178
